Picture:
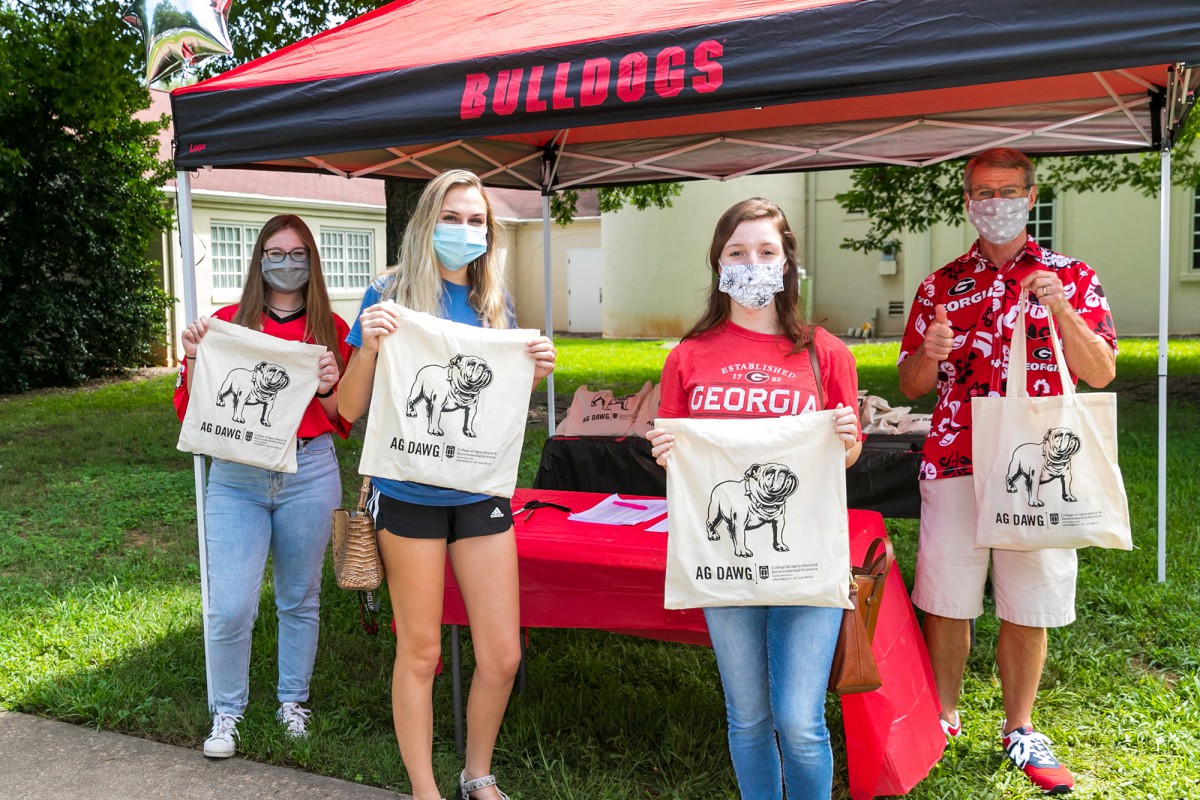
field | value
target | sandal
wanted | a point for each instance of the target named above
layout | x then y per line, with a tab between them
465	787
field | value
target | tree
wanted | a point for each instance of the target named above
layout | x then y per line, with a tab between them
909	199
80	197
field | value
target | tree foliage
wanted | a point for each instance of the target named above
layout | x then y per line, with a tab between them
564	204
80	198
912	200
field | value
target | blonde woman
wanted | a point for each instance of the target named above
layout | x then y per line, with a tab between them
450	267
251	511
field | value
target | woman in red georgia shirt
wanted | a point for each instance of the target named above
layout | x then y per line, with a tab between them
747	357
251	511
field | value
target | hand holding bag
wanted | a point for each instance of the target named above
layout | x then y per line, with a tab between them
355	549
854	669
1045	468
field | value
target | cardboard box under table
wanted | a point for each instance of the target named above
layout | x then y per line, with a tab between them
610	578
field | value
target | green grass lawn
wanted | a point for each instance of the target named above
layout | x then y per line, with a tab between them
100	619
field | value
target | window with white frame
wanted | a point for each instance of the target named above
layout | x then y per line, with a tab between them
347	257
1196	231
232	248
1041	218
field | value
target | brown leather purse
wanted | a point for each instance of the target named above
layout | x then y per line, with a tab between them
854	669
355	550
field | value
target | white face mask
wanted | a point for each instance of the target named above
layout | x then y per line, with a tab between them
751	286
999	220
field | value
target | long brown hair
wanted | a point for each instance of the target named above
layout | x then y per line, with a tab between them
787	302
318	324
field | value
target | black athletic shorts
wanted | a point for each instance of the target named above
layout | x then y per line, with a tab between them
412	521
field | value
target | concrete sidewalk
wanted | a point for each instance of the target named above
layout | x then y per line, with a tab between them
47	760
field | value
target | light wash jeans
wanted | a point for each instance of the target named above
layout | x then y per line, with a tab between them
249	512
774	663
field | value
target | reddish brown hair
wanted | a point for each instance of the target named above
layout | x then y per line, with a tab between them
787	302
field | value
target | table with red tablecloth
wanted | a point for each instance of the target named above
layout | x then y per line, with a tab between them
610	577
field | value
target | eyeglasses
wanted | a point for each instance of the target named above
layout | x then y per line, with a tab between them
275	255
1007	192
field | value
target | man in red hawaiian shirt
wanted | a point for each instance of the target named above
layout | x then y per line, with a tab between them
957	341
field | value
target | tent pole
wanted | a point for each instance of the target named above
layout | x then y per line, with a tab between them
1164	274
183	184
547	285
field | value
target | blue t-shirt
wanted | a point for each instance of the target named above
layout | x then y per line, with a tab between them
456	306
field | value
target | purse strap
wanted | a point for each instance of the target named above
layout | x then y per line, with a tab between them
879	563
363	493
816	368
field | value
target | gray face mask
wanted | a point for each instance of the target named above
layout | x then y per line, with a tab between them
998	220
751	286
287	275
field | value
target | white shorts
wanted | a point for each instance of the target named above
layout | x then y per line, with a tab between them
1036	589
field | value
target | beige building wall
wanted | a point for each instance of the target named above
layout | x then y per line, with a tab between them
525	269
656	274
655	260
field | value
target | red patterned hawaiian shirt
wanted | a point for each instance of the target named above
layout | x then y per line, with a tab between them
981	306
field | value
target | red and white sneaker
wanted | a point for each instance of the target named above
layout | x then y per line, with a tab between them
1030	751
952	730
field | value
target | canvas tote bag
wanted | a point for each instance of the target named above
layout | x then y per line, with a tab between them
757	511
449	405
1046	473
249	392
601	413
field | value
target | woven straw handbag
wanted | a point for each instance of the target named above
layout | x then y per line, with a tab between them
355	550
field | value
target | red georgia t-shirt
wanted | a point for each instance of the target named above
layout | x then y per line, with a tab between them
314	422
731	372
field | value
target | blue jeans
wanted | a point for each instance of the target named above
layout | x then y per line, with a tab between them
249	512
774	663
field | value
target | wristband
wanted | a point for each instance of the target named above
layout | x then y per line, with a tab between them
189	358
323	395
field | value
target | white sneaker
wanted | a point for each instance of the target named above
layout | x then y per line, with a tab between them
952	730
295	718
219	743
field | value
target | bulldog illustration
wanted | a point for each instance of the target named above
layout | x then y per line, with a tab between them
607	403
453	387
757	499
1038	463
253	387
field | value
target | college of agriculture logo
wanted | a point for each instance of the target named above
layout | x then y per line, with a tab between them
449	451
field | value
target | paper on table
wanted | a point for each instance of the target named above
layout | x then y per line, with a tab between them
613	510
660	526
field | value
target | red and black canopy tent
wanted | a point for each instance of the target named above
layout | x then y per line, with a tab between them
554	94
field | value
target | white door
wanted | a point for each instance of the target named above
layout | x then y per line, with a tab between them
585	289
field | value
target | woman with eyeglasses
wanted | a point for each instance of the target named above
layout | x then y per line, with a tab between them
450	266
250	512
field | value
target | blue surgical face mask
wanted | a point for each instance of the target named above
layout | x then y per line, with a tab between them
286	275
459	245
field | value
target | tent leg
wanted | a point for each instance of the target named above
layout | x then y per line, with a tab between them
183	183
1164	275
547	287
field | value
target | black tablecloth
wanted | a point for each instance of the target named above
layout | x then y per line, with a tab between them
884	478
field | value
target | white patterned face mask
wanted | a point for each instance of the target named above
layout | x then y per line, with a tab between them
999	220
751	286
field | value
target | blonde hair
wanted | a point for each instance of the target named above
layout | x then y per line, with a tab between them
319	326
416	282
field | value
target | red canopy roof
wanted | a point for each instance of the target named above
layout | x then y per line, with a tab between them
530	93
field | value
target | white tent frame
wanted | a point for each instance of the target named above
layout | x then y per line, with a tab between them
1180	97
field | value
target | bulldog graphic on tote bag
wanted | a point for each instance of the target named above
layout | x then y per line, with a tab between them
249	393
754	529
1045	468
449	405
